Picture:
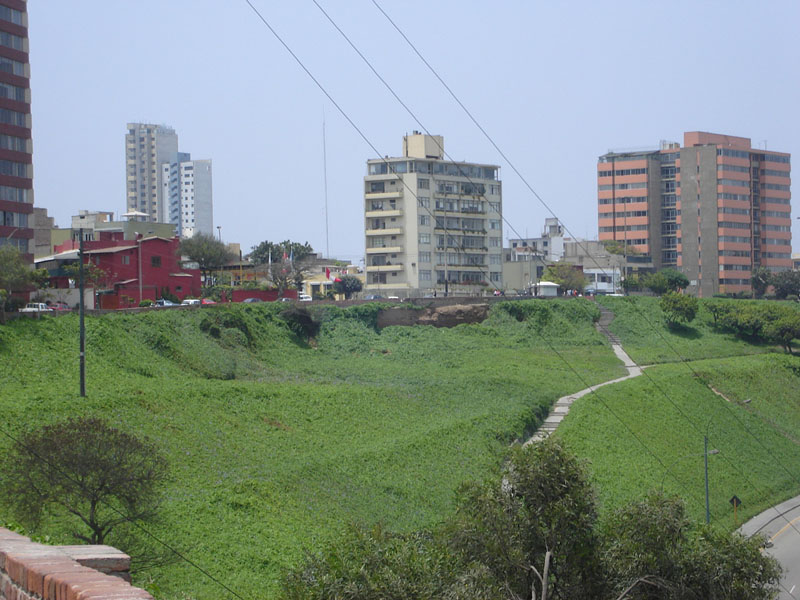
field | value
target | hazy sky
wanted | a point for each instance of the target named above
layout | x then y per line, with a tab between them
555	84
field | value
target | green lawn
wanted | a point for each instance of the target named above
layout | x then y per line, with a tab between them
669	410
640	326
276	445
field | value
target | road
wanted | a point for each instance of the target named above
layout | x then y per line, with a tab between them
781	525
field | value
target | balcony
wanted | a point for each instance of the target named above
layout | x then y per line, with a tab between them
398	193
385	250
387	231
384	268
386	212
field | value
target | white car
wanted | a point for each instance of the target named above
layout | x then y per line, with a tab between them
190	302
304	297
35	307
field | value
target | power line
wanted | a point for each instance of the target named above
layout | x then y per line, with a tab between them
114	509
541	200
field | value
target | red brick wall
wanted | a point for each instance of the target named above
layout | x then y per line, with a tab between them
31	571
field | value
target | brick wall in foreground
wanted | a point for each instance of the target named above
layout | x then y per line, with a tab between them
31	571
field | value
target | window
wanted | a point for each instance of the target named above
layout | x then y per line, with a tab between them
494	242
12	194
12	117
12	92
424	184
155	261
11	15
424	257
424	220
8	167
126	260
494	223
376	187
494	259
494	206
423	202
494	276
425	275
424	238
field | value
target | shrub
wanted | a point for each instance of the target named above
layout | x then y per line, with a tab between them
678	307
145	303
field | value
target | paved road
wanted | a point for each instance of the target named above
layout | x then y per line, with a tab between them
781	525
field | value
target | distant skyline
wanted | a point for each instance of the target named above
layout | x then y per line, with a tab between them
555	84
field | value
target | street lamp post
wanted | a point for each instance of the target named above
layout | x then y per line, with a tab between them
219	232
706	454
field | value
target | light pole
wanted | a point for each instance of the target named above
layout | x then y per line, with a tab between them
219	231
139	244
705	455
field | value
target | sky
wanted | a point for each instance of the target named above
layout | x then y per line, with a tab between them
554	84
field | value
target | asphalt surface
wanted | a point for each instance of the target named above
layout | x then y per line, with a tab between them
781	525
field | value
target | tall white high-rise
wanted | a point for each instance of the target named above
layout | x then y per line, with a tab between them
187	193
166	184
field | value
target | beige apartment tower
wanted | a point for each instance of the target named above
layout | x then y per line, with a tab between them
147	147
432	226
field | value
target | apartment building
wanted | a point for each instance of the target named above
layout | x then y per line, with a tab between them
431	225
16	151
188	197
715	208
147	147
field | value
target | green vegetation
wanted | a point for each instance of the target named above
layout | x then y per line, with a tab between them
640	326
669	409
276	444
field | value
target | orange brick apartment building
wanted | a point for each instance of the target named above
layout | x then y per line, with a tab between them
714	208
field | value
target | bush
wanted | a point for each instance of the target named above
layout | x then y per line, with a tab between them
145	303
678	307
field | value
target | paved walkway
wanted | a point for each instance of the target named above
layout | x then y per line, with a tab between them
561	407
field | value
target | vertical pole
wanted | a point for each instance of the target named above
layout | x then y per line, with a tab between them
81	323
139	242
325	180
705	456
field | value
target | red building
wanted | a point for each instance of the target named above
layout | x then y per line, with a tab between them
16	169
136	270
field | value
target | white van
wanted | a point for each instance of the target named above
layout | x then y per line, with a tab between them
190	302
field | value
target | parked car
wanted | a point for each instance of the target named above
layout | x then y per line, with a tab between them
60	306
164	302
304	298
207	301
373	297
35	307
284	299
250	300
190	302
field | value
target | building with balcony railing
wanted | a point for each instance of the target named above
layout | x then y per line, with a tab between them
431	225
715	208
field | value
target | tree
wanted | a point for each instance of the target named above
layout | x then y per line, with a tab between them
15	276
675	279
760	281
93	276
783	330
632	283
650	548
566	276
678	307
786	283
533	527
657	283
85	472
347	285
269	252
209	253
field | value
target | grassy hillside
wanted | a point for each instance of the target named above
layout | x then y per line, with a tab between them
275	444
640	326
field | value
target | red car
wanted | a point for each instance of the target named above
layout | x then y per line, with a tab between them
207	301
60	307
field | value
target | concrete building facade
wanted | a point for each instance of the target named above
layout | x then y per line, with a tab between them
431	225
147	147
187	190
16	150
715	208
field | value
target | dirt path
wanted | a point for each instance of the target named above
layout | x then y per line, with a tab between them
561	407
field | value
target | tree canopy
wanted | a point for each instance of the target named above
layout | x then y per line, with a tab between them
678	307
566	275
15	275
347	285
278	250
786	283
84	472
760	281
208	252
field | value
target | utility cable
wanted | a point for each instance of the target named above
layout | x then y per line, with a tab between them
114	509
